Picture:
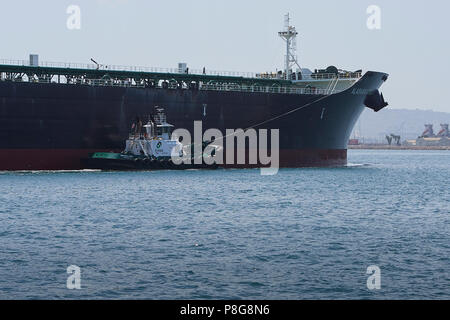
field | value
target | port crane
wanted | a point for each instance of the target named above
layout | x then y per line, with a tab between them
393	138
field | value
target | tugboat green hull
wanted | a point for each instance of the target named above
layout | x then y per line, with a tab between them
120	162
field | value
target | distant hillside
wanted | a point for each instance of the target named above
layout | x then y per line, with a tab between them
409	124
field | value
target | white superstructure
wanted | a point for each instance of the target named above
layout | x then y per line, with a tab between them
155	140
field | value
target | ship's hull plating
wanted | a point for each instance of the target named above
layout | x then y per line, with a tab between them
54	126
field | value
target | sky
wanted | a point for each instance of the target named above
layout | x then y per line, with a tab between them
412	44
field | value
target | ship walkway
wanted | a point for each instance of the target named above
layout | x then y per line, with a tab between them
175	86
166	78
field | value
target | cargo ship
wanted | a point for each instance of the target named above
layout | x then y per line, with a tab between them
52	115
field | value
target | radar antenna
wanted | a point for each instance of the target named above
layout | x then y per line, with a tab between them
289	35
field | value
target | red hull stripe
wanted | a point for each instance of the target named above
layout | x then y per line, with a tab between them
43	159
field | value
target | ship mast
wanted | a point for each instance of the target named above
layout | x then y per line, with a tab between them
289	35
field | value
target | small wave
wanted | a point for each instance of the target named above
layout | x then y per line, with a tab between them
355	165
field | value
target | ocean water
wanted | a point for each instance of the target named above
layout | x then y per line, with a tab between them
231	234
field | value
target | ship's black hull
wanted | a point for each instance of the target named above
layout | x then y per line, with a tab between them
53	126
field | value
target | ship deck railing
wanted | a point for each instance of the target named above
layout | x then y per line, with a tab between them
272	89
71	65
251	75
202	87
312	76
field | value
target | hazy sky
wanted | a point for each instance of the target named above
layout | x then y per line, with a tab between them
412	45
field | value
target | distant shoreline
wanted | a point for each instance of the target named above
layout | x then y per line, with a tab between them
388	147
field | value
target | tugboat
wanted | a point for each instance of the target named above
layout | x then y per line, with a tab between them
148	150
